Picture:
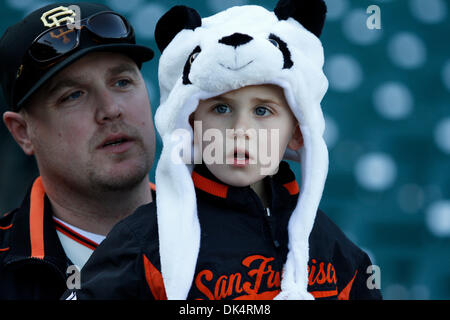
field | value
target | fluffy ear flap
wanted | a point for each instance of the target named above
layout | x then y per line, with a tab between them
172	22
310	13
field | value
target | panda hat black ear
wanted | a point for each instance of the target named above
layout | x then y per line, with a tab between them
172	22
310	13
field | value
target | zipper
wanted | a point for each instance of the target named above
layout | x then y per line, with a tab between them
272	227
267	216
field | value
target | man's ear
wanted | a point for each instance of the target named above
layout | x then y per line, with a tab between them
296	141
18	127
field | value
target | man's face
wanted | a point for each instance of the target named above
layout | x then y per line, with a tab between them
256	124
91	124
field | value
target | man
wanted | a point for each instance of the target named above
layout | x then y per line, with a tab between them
78	103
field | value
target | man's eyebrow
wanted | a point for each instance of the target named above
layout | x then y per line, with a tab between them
58	84
67	82
123	67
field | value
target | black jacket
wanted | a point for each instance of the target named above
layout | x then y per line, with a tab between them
32	261
242	249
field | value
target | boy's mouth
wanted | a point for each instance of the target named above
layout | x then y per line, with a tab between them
241	158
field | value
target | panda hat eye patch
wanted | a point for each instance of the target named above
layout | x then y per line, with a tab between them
284	50
187	65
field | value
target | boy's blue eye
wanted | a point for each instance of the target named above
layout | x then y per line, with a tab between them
222	108
262	111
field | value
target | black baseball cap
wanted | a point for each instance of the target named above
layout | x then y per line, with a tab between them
21	76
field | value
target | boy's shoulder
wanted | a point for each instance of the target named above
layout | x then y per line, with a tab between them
327	240
335	259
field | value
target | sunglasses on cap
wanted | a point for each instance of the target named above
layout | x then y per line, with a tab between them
58	41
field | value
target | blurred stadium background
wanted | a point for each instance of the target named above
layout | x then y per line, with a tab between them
388	130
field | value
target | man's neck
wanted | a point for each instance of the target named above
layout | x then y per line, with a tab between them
97	214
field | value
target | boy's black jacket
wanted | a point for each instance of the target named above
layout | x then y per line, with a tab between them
242	251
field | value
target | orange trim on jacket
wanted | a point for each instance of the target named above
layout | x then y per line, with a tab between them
154	280
292	187
7	227
221	190
324	294
37	219
207	185
345	293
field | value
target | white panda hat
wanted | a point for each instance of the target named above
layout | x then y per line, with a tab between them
202	58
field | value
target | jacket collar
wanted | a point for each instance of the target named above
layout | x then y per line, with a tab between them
33	231
283	187
33	235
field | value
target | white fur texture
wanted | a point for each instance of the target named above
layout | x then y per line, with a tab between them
304	86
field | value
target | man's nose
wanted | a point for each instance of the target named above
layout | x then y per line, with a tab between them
108	108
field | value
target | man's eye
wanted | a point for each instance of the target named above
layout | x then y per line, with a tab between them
222	108
123	83
73	96
262	111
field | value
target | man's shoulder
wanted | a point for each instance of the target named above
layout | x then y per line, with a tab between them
6	218
16	219
8	223
6	226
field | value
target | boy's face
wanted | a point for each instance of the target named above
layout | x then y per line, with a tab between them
252	126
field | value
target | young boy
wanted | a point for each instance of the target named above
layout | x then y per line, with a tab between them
235	227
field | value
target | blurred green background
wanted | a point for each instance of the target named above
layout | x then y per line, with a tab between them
388	130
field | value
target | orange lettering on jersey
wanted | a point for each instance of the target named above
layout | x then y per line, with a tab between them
228	285
320	275
263	278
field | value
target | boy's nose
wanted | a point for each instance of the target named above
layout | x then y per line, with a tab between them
240	127
236	39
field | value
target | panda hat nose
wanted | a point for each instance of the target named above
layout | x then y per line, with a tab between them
236	39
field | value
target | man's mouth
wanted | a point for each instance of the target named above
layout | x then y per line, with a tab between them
116	143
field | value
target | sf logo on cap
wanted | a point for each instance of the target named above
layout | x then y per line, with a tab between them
58	15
